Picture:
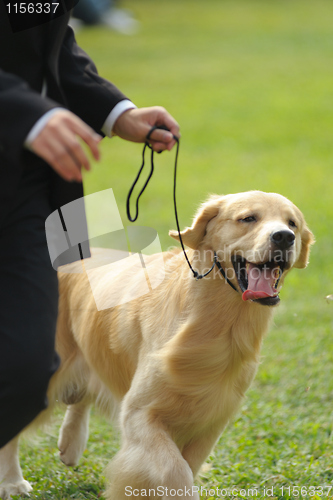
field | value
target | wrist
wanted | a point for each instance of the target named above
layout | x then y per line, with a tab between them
39	126
109	127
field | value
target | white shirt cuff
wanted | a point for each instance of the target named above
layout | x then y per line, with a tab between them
38	127
118	110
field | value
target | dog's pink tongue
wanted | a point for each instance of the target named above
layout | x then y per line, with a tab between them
260	283
251	295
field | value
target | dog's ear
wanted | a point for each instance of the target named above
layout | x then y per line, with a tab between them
307	241
192	236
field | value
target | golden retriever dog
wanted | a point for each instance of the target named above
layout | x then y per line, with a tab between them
179	358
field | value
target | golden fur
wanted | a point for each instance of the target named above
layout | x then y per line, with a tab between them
178	359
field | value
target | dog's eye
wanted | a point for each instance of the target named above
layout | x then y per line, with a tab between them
292	223
250	218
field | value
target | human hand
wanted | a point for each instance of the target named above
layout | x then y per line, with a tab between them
134	125
58	144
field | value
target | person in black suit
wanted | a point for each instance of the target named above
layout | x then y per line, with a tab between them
50	96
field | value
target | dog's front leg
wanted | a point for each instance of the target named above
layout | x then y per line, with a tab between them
149	464
74	433
11	478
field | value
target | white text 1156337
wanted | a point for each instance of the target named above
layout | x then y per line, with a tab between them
32	8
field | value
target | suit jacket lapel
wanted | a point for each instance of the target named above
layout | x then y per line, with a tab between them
55	35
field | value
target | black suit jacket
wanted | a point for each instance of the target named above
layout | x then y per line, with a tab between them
27	57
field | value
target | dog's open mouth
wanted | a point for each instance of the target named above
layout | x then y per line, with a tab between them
259	282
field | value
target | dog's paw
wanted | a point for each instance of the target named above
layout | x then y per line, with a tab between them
70	455
8	490
71	446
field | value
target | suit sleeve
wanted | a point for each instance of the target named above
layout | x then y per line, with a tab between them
20	108
88	95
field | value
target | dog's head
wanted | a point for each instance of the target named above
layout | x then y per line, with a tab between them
258	237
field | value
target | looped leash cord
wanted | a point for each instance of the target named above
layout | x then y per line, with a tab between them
130	218
196	275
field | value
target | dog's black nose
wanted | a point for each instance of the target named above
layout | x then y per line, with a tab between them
283	239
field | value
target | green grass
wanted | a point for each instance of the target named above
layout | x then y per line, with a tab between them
251	84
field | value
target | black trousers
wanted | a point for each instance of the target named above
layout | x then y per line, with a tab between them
28	306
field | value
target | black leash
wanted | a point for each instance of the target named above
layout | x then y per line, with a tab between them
196	275
147	145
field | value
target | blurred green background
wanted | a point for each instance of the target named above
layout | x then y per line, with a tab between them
251	84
